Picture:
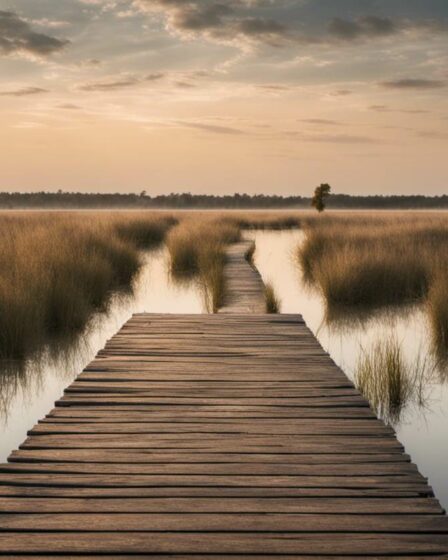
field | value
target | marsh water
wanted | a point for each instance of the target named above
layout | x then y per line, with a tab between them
28	392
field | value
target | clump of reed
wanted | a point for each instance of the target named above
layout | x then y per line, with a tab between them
389	382
249	255
197	249
437	306
144	233
272	301
372	261
57	269
262	220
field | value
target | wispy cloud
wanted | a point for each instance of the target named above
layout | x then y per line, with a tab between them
323	122
116	84
433	134
216	129
17	36
386	109
340	139
69	107
22	92
413	83
363	27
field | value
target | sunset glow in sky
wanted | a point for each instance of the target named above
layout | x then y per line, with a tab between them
271	96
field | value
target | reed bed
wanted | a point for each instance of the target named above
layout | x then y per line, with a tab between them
389	382
265	220
197	248
437	307
372	261
57	269
273	303
250	253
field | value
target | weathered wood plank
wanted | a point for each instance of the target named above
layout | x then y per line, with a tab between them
407	506
197	457
230	543
261	469
200	522
217	492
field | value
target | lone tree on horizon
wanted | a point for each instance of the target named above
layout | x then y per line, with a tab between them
320	194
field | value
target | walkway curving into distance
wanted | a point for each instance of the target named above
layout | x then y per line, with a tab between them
215	436
244	291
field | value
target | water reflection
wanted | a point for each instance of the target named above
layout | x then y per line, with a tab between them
29	389
417	403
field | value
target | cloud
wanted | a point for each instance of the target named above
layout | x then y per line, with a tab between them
184	85
321	122
386	109
433	134
107	86
22	92
341	93
340	139
69	106
374	27
110	85
18	37
260	27
243	23
413	83
211	128
274	87
51	23
222	22
363	27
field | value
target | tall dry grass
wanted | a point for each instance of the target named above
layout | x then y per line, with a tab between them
272	301
437	307
197	248
250	254
264	220
389	382
57	269
363	261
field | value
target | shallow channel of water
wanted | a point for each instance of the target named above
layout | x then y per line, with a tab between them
422	429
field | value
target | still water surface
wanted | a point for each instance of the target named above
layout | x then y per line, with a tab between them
26	398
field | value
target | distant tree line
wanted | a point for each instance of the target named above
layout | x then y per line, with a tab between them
72	200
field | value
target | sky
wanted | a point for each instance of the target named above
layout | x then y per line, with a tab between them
224	96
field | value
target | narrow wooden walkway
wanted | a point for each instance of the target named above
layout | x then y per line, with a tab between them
215	436
244	287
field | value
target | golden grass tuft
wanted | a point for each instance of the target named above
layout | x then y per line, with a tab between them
249	256
272	301
58	268
437	307
144	233
388	381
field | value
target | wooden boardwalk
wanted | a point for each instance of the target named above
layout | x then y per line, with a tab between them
215	436
244	287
